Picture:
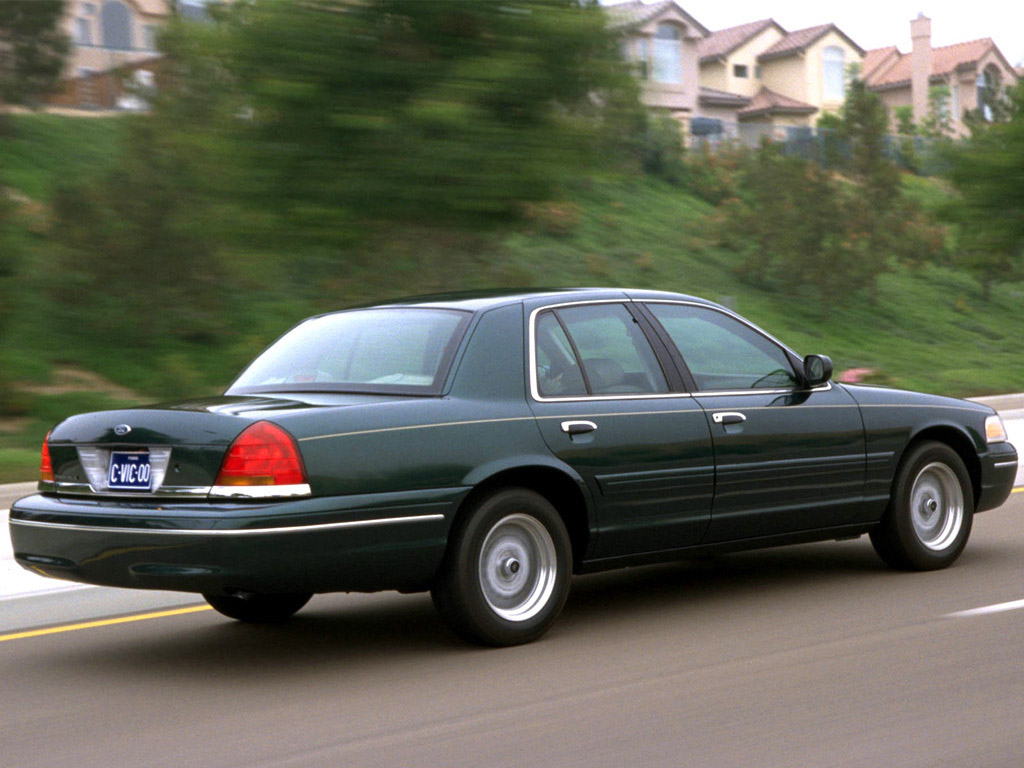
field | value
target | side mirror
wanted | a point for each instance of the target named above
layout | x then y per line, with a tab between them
817	370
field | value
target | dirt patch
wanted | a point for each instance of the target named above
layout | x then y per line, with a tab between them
67	378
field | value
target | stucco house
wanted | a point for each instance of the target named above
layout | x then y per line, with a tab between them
969	70
660	40
106	34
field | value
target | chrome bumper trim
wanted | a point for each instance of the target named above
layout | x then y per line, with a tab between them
229	532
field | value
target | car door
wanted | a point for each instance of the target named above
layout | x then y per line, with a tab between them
607	401
787	458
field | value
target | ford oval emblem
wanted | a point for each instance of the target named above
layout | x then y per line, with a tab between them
122	430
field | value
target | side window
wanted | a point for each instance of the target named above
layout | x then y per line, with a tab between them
616	357
558	372
723	353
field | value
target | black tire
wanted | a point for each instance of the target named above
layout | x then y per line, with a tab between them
258	609
928	520
506	574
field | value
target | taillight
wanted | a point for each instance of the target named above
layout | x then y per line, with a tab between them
45	464
263	455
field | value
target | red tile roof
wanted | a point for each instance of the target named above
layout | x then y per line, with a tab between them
944	61
768	102
725	41
796	42
636	13
875	58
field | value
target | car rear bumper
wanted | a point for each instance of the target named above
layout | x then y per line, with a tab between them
998	473
350	543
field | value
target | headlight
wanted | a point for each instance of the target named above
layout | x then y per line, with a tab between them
995	432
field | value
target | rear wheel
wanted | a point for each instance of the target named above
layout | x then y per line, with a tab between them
258	609
506	575
929	517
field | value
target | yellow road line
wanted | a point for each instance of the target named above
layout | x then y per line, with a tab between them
1018	490
104	623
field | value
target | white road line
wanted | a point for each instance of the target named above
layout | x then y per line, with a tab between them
1013	605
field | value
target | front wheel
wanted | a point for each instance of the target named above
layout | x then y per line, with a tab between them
506	575
929	517
254	608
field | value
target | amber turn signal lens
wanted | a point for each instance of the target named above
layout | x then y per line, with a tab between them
995	432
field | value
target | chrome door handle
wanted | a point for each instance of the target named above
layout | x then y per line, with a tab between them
578	427
728	417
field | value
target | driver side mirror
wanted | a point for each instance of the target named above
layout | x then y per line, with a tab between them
817	370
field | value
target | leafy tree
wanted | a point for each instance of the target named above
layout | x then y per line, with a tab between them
331	112
866	126
32	48
988	171
938	122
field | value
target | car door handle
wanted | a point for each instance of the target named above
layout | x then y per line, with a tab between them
728	417
578	427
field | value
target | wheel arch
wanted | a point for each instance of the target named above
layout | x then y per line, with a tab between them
957	439
565	490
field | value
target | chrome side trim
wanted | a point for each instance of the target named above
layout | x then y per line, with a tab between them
260	491
1001	464
230	532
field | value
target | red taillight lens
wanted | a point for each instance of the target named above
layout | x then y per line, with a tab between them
264	454
45	464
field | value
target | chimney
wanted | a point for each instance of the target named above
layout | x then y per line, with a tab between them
920	65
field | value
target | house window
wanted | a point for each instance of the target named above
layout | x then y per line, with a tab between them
954	97
987	86
757	71
83	32
150	32
834	74
667	63
116	24
740	70
642	57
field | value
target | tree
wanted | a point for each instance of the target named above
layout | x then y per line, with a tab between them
938	122
402	110
987	171
32	48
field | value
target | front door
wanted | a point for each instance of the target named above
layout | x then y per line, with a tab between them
787	458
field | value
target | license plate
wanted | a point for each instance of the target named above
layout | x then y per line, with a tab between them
129	471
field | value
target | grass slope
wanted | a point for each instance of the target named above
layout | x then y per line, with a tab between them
929	330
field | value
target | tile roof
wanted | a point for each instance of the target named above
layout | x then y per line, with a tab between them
796	42
636	13
768	102
875	58
154	7
944	61
724	41
715	97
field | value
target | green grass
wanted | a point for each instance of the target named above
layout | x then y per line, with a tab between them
47	150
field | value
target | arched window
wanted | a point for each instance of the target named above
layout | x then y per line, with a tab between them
116	25
834	74
667	64
988	91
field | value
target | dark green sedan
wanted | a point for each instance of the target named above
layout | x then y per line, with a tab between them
486	447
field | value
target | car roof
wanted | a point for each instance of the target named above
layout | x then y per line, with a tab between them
482	300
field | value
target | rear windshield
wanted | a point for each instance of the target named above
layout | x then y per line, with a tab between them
400	351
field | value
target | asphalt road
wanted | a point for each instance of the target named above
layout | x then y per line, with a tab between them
802	656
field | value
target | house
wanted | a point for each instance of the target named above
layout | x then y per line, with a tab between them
108	34
660	39
972	72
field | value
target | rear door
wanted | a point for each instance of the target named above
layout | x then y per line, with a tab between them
608	402
787	458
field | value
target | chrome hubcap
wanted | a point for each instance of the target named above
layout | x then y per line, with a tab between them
518	566
936	506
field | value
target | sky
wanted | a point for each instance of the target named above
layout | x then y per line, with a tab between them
873	24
